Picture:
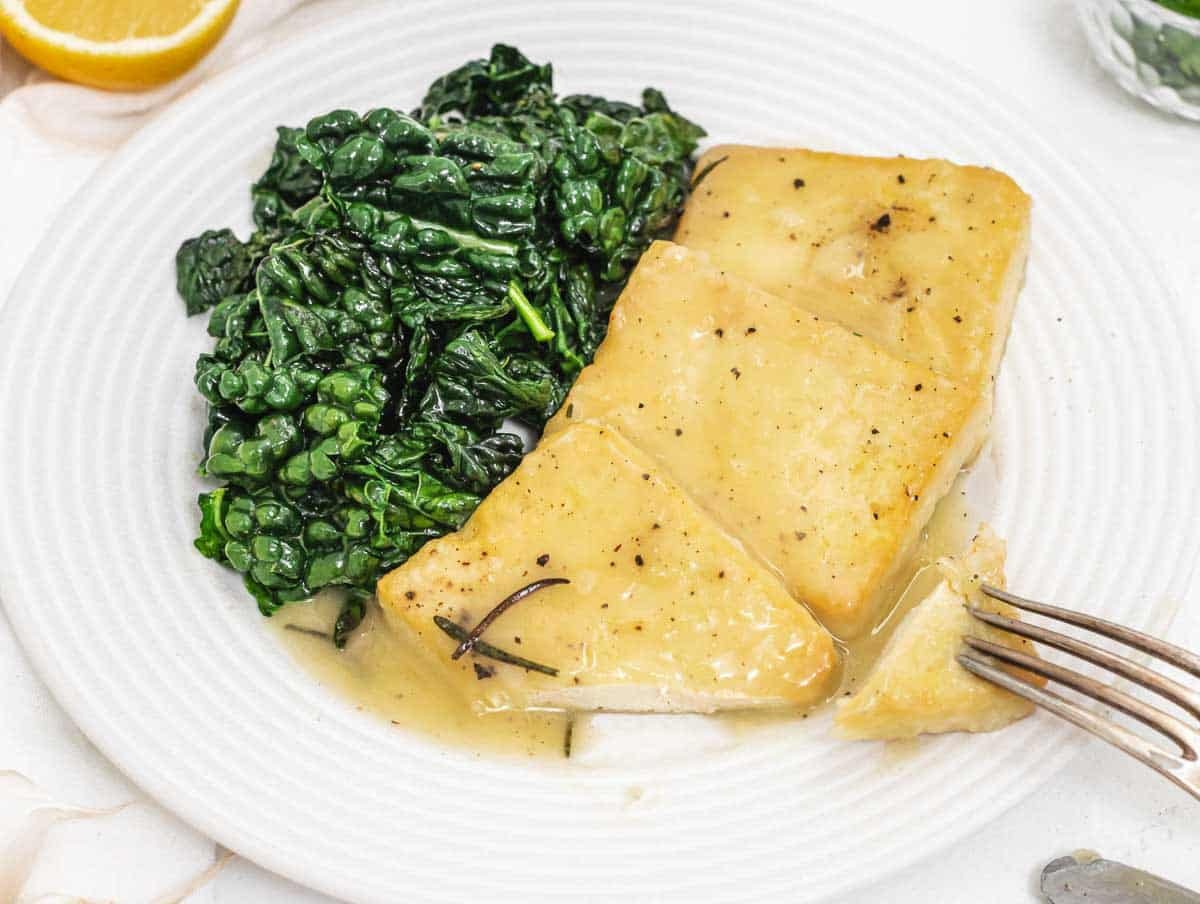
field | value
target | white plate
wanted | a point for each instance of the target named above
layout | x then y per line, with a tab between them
163	662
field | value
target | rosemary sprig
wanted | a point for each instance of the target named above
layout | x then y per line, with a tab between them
501	607
312	632
483	648
699	177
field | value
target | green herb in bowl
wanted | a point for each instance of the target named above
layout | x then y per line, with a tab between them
1169	50
1187	7
1151	48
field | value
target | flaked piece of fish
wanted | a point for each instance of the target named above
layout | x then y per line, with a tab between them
917	686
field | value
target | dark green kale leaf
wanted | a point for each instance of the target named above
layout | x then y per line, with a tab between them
288	183
470	382
502	84
211	266
416	282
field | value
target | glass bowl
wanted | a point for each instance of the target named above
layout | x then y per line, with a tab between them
1152	51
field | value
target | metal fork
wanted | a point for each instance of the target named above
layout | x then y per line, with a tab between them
1179	766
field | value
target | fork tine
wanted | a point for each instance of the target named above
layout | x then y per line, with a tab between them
1162	761
1167	652
1148	678
1187	738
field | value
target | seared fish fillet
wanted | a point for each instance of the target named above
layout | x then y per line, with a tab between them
812	445
923	256
663	612
917	686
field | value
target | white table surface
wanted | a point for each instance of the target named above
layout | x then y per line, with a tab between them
1034	51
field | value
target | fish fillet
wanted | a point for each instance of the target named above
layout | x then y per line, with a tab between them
663	612
918	687
821	452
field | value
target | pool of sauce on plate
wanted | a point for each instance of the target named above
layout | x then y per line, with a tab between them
948	533
381	671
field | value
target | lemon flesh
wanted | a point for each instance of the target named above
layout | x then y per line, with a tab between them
115	44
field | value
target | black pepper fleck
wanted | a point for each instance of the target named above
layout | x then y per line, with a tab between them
882	224
543	559
638	560
483	671
797	183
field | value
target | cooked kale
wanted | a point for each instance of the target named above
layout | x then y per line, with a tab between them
415	280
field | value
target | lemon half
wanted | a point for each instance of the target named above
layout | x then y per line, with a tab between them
121	45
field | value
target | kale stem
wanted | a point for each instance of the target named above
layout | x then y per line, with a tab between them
483	648
533	320
469	240
500	608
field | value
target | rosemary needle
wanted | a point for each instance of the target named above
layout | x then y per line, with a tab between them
483	648
500	608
